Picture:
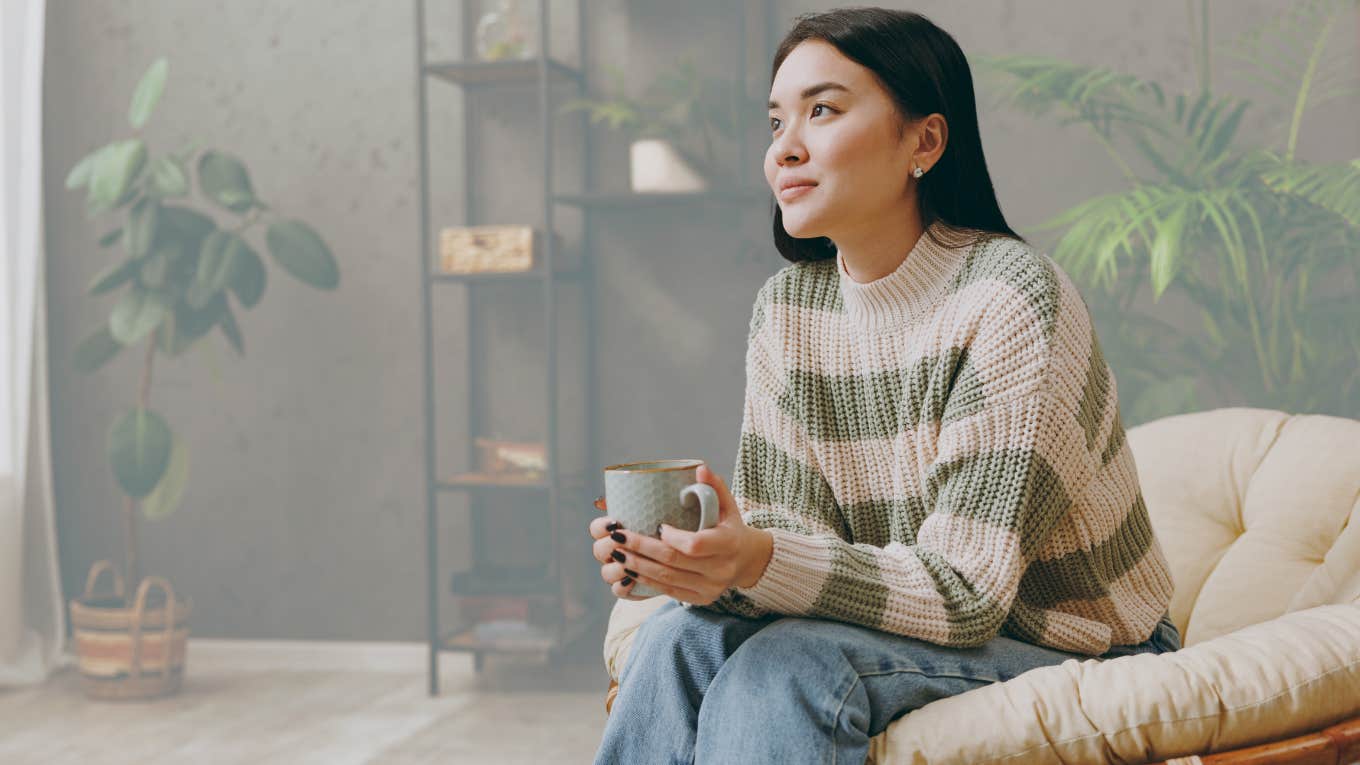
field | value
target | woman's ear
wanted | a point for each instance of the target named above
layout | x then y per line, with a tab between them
932	136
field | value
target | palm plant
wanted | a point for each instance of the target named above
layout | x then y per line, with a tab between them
1262	244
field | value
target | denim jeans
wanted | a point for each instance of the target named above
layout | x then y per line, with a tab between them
710	688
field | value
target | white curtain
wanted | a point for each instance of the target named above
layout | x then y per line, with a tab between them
32	614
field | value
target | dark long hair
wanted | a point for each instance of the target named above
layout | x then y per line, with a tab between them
924	71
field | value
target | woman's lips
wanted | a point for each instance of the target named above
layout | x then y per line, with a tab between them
794	192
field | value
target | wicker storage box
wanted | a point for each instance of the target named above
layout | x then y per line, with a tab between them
491	249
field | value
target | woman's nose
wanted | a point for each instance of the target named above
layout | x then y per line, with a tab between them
787	148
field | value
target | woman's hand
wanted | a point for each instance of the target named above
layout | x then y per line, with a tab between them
692	566
620	580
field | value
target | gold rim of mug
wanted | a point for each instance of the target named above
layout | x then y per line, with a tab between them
623	466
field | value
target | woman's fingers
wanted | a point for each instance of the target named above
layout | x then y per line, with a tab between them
600	527
599	503
652	572
625	591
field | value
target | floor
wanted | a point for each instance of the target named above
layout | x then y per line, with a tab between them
230	710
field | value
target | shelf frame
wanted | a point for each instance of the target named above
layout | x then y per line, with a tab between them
544	72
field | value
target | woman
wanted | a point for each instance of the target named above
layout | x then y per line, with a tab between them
932	489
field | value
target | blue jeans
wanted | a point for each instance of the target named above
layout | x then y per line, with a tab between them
710	688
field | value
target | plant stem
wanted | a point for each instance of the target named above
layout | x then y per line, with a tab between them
1306	85
1206	63
134	576
1118	160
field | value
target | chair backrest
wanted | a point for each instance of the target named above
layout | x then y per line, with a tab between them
1258	512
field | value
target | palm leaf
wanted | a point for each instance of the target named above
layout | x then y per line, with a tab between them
1333	187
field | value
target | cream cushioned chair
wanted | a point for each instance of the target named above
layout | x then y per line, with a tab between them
1258	512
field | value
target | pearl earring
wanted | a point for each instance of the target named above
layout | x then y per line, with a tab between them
917	173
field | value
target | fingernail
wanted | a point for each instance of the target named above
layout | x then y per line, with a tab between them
630	572
618	556
627	580
618	537
614	525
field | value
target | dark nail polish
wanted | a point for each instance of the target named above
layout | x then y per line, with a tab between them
627	580
614	526
617	537
618	556
630	572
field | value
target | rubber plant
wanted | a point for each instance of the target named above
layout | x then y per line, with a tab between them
1264	246
180	271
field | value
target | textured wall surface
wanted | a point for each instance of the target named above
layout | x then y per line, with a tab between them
304	515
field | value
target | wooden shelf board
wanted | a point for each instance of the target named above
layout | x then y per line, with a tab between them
475	73
629	200
465	639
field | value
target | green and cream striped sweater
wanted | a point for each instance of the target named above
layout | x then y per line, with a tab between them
939	453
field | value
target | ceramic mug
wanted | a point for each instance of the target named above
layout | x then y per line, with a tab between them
644	495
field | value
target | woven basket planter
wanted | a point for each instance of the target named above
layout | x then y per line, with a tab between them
130	653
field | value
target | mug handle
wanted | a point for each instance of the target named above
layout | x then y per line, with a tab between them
708	503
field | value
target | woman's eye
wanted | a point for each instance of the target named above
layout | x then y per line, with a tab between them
815	107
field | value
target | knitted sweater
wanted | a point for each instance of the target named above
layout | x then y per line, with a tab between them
939	454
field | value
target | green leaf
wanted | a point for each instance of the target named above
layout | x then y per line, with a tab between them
247	275
139	450
113	276
168	178
214	267
1334	187
1166	250
232	331
112	175
108	239
139	312
95	350
189	324
1173	395
141	228
224	180
148	93
165	498
301	252
156	266
84	169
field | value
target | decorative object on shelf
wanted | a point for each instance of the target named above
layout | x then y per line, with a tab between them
655	165
678	110
507	31
490	248
505	631
527	457
179	270
130	653
481	608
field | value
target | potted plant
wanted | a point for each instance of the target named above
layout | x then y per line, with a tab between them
673	126
179	270
1260	242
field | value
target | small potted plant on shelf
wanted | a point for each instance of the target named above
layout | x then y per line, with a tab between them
673	127
178	269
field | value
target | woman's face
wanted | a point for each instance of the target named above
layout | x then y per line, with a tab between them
843	139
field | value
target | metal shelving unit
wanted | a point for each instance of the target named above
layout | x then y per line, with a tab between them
543	73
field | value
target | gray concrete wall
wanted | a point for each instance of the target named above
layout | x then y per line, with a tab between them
304	517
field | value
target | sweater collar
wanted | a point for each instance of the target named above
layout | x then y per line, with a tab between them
908	293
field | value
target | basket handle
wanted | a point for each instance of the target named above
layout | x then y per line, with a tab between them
142	590
92	578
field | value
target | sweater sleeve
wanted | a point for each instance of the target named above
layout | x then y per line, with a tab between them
1009	451
775	481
